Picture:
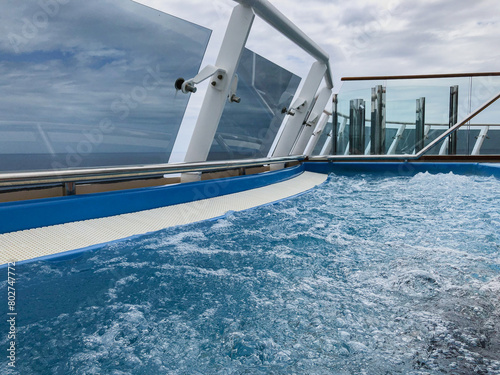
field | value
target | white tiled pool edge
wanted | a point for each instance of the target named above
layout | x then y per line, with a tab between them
38	242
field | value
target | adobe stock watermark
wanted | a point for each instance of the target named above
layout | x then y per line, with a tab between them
30	27
121	108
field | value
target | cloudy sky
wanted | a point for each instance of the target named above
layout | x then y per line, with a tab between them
371	37
362	37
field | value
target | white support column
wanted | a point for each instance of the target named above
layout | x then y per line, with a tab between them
327	146
480	139
215	99
397	138
368	147
443	150
311	122
300	108
313	141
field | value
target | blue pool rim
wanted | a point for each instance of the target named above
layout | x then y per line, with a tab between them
76	253
22	215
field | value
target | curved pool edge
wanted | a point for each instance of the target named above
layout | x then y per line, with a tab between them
213	200
23	215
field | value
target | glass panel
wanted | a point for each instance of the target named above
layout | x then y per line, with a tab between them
401	96
247	129
90	83
437	109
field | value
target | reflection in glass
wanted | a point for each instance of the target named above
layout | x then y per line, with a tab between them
401	113
247	129
90	83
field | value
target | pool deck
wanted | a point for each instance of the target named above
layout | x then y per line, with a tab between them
51	241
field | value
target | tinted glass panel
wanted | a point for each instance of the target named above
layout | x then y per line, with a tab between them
90	83
247	129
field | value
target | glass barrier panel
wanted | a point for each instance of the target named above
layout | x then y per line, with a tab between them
401	97
90	83
400	125
247	129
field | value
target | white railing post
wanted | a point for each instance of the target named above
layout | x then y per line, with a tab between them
397	138
313	141
300	108
480	139
215	99
311	122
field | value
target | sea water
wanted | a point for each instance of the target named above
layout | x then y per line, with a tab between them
366	274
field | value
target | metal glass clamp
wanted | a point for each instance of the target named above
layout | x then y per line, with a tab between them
219	77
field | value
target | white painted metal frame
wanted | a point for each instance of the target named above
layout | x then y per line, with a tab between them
224	70
397	138
270	14
483	134
300	109
313	141
216	96
310	123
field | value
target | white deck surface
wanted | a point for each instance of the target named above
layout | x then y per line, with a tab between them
33	243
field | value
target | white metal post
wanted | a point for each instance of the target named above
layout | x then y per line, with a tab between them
215	99
443	150
300	108
480	139
310	124
397	138
313	141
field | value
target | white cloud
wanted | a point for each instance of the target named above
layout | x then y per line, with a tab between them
372	37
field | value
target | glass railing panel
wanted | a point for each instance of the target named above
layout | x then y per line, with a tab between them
400	129
437	96
90	83
247	129
353	91
401	97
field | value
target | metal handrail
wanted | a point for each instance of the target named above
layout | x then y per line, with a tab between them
419	154
140	171
368	119
420	76
270	14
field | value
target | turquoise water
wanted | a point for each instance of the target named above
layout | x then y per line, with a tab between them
369	274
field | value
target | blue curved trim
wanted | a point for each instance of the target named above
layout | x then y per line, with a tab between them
76	253
15	216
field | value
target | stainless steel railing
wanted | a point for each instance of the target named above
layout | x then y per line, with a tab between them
127	172
270	14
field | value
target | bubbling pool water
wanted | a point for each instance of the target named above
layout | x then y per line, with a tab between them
362	275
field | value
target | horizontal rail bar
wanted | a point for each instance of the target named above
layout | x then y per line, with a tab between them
265	10
140	171
421	76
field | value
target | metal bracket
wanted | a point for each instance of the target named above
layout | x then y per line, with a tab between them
297	106
232	91
219	74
